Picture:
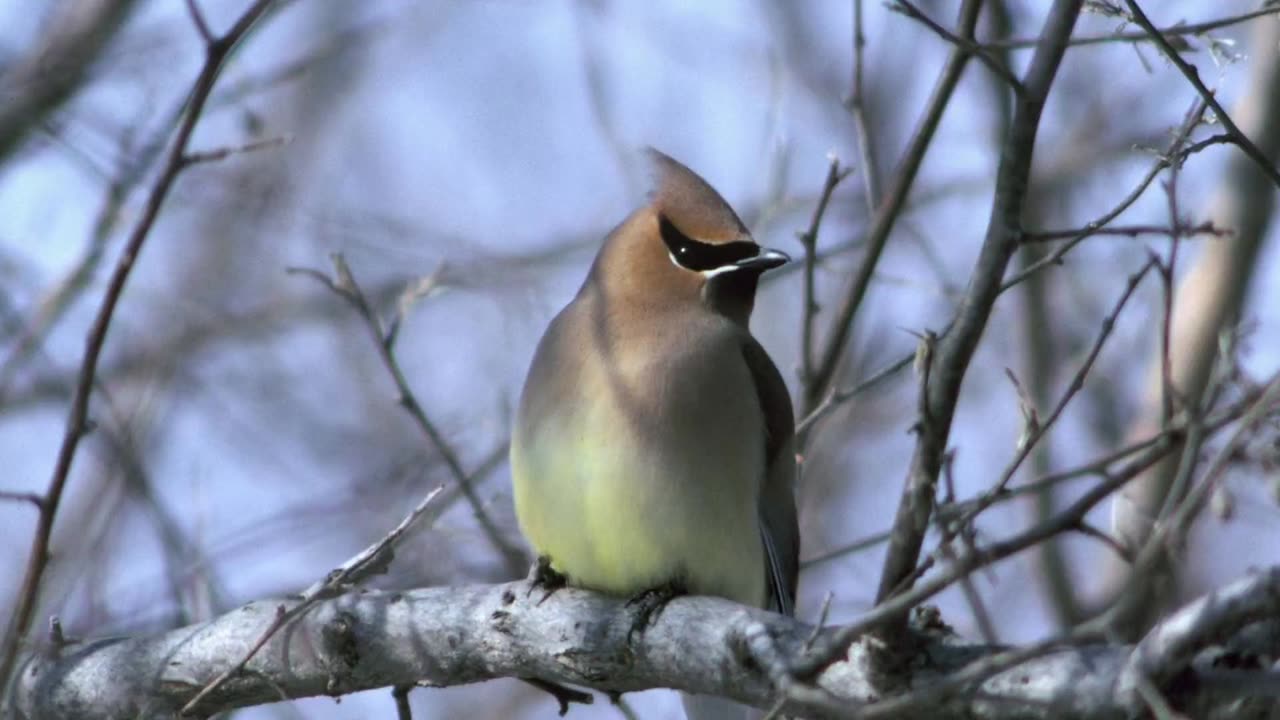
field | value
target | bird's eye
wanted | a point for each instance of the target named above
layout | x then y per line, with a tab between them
700	256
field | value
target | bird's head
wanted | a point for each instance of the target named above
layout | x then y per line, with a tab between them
687	245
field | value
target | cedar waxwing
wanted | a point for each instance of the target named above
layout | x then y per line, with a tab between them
654	443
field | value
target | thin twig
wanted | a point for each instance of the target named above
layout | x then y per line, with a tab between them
1041	429
12	496
1184	230
809	240
372	560
1176	152
1180	30
345	286
858	108
996	67
1193	76
197	18
954	353
77	423
890	208
204	156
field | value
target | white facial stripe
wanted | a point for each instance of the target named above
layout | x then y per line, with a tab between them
708	274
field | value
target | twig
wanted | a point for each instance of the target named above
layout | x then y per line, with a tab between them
809	240
1040	429
995	66
858	108
13	496
1205	228
955	351
370	561
1176	152
345	287
1193	76
197	19
893	609
838	396
1179	30
77	423
890	208
204	156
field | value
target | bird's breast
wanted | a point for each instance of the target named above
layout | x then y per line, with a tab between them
649	470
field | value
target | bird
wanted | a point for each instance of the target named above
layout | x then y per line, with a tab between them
654	441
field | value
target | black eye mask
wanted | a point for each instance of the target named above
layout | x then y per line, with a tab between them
699	256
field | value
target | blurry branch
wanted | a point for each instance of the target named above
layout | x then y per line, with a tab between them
838	396
77	32
889	209
968	44
344	285
1209	302
1034	430
1148	451
78	423
267	319
373	560
345	40
1182	229
944	371
1160	548
1040	335
891	612
809	240
53	306
1238	138
1176	31
450	636
1177	152
857	105
205	156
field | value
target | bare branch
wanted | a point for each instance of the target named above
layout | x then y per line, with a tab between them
371	561
1182	230
858	108
955	350
1238	138
343	284
452	636
77	423
809	240
1180	30
890	208
996	67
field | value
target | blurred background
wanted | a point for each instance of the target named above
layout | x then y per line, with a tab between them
247	436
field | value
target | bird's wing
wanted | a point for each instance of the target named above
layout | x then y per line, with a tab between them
779	528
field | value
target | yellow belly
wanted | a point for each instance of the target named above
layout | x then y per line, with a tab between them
617	514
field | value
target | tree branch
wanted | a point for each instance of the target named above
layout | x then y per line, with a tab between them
955	350
77	424
459	635
890	208
1238	138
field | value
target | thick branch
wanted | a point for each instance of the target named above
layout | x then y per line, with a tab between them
460	635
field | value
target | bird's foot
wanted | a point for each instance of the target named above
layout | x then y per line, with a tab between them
648	604
543	576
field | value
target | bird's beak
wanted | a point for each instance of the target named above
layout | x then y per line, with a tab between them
767	259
